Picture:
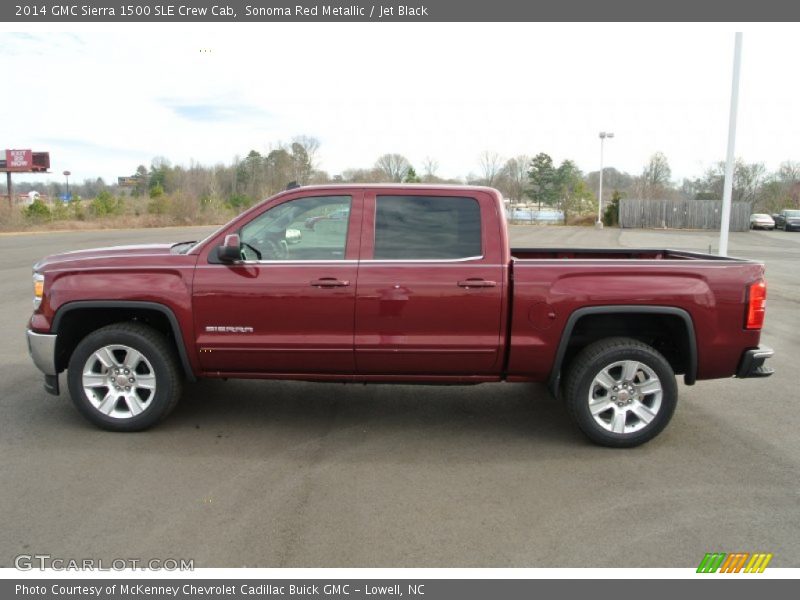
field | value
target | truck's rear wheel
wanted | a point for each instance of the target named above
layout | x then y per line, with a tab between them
124	377
621	392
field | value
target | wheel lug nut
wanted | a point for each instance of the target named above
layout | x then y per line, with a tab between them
131	379
127	388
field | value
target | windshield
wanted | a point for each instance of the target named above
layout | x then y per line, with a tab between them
792	213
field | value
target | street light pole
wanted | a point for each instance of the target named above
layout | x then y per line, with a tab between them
599	224
727	190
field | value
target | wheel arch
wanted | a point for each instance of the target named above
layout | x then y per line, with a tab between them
70	328
626	316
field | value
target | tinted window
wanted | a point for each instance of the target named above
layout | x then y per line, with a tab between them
304	229
427	227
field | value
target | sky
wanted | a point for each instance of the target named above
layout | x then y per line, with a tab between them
104	98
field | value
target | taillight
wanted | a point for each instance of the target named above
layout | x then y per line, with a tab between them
756	304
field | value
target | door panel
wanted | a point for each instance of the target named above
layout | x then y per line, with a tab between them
416	319
290	325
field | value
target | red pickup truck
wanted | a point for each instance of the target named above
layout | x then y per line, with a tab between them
394	284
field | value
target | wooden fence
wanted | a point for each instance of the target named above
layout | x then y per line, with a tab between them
681	214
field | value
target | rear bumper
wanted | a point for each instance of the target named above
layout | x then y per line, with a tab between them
42	348
752	363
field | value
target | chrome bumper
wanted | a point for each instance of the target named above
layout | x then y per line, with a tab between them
42	348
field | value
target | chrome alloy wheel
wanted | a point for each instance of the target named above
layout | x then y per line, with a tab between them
625	396
119	381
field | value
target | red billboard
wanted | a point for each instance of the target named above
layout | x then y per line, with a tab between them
19	160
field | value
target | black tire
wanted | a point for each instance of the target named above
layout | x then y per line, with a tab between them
156	352
580	387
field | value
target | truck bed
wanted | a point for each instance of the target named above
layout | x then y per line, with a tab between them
551	285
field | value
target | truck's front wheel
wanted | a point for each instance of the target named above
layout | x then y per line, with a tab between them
621	392
124	377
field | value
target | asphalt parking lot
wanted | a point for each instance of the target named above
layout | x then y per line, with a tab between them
286	474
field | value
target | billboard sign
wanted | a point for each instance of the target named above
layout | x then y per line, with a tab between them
19	160
127	181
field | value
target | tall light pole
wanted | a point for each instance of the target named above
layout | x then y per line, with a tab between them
727	190
599	224
66	175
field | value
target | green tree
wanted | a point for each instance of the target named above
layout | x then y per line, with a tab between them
611	213
37	211
105	204
411	176
572	193
142	178
159	170
543	180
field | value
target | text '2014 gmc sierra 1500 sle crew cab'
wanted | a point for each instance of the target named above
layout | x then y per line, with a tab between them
394	284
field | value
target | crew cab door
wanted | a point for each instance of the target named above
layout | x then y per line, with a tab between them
288	306
430	284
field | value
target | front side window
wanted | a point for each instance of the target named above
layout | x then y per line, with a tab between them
312	228
427	228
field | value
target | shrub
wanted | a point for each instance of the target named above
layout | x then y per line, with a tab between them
239	202
37	211
611	213
156	191
106	204
77	210
60	211
583	220
158	205
183	209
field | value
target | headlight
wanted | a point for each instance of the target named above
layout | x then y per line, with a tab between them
38	289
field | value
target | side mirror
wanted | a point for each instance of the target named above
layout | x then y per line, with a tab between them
231	249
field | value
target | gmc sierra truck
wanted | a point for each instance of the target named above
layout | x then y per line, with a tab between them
394	284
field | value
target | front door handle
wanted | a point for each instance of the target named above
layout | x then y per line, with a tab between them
329	282
476	283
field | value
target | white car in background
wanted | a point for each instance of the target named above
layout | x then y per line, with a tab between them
761	221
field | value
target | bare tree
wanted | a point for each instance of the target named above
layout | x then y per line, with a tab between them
393	166
657	171
429	168
654	181
491	164
513	178
789	172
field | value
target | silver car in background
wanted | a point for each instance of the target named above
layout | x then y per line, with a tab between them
761	221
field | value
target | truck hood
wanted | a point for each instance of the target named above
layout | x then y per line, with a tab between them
100	255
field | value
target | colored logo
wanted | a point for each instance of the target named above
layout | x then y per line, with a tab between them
737	562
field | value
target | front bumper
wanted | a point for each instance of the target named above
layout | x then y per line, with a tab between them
752	363
42	348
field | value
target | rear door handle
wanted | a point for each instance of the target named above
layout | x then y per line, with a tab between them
476	283
329	282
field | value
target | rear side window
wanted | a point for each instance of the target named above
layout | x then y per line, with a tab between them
427	228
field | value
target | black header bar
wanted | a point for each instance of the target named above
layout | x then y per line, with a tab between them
243	11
